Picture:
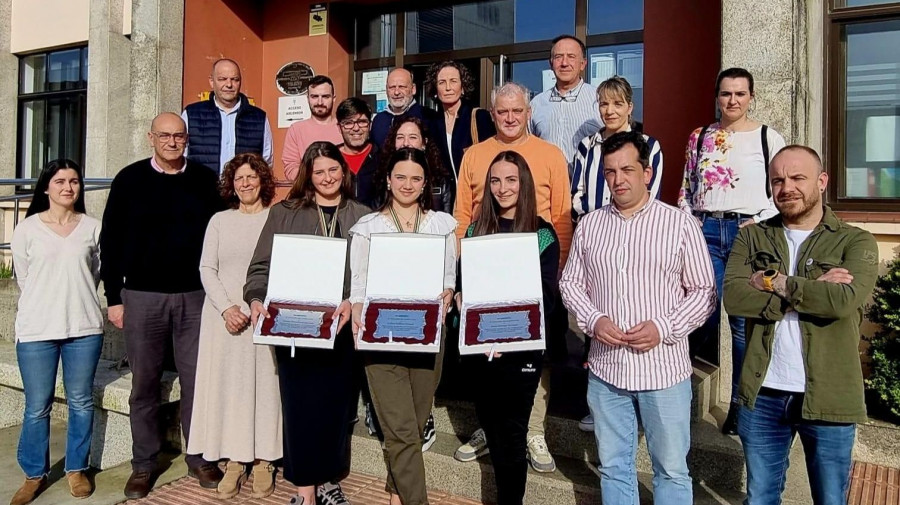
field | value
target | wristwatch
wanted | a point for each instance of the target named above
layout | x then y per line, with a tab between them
768	277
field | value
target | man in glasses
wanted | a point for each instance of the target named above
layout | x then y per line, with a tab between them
401	94
152	237
354	118
567	112
226	124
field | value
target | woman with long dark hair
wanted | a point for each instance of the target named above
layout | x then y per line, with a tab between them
508	382
410	131
318	391
56	256
229	365
403	384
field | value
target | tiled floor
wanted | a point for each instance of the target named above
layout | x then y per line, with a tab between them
874	485
358	488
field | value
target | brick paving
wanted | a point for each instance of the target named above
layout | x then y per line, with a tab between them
874	485
360	489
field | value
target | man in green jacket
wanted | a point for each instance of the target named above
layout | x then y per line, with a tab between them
801	279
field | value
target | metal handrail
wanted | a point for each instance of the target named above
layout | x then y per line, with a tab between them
89	185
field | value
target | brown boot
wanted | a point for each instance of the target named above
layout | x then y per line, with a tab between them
263	479
79	485
29	491
230	485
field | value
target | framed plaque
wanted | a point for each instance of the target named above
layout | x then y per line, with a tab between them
404	280
502	297
306	286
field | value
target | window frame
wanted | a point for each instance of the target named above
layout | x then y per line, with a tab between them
836	18
79	94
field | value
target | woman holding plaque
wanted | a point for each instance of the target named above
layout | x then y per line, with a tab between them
56	256
507	383
317	386
229	366
403	383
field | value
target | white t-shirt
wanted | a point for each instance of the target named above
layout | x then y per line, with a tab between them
787	371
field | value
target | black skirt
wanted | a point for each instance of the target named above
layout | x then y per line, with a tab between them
318	399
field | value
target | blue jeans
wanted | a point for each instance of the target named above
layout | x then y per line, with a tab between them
666	417
766	433
720	235
38	363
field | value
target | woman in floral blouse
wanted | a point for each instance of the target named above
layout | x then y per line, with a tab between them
726	187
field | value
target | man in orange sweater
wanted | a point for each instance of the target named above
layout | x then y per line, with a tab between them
511	112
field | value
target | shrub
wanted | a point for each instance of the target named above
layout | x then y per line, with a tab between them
884	347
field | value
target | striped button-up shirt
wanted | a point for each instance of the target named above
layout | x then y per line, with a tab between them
589	188
654	267
565	119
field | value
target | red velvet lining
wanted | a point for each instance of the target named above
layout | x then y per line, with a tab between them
324	330
432	311
534	323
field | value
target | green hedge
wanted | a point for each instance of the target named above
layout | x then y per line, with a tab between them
884	347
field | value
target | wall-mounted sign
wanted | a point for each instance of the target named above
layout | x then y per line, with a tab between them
293	78
318	19
374	81
291	109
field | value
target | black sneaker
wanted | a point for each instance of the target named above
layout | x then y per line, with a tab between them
370	422
330	493
429	435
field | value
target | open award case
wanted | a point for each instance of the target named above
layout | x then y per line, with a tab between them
306	286
502	299
402	308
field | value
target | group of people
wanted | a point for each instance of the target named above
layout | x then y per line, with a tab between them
644	281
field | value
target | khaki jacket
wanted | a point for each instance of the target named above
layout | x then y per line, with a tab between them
829	313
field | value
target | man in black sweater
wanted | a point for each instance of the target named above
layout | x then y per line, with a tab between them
150	245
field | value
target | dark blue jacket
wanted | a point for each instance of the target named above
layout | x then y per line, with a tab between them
462	133
383	121
205	131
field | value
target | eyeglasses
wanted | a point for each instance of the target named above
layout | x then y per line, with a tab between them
556	97
348	124
179	137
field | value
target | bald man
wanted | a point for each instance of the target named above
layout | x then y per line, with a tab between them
150	245
401	94
226	124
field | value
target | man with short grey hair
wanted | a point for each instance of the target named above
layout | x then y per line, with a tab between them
401	94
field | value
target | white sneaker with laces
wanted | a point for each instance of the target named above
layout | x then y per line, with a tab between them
586	423
539	456
474	448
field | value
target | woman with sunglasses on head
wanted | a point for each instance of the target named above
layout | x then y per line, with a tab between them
316	418
56	257
507	383
403	383
726	187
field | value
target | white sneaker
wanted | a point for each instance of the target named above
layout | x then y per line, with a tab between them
474	448
586	423
539	456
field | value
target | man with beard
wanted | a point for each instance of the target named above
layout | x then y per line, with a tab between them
321	126
401	94
226	124
800	278
355	120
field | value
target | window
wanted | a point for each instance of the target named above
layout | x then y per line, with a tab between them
610	16
863	146
52	110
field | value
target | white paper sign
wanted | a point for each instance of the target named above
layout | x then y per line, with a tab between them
374	81
404	268
304	270
501	271
292	109
548	79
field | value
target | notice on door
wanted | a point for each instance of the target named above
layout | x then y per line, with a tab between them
318	19
291	109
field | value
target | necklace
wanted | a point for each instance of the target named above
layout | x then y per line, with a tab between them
409	222
327	229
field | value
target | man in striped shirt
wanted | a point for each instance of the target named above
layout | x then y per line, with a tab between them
638	281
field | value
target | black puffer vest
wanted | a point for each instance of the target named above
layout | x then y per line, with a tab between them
205	131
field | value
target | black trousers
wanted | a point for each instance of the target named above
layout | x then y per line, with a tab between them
153	321
504	396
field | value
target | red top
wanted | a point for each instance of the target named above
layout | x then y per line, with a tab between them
355	161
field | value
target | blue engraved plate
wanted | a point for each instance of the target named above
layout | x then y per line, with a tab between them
398	323
503	326
298	322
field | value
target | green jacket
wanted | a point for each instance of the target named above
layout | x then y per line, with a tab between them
829	313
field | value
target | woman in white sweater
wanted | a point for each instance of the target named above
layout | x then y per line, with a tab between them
402	383
56	257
